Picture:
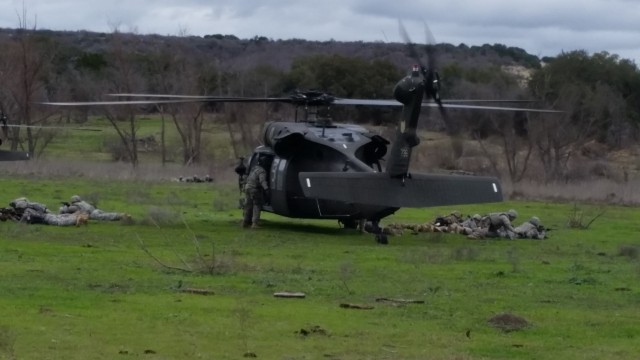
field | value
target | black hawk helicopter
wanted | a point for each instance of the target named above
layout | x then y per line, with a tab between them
318	169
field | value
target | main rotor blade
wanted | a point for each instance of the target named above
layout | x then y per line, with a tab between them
451	101
390	102
159	96
499	108
52	127
430	47
300	98
420	190
179	99
170	96
123	102
412	48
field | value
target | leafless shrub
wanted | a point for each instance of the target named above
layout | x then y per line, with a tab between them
579	220
139	196
161	216
434	237
174	199
221	170
514	259
7	342
465	253
425	256
474	164
630	251
92	198
435	154
472	150
220	204
346	273
244	315
598	191
118	150
210	263
602	169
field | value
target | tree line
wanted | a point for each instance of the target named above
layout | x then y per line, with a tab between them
599	93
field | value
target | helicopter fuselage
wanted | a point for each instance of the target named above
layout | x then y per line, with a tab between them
295	147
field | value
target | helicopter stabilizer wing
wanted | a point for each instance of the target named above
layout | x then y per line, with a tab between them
13	155
419	190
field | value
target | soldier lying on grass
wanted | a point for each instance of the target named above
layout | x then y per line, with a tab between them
76	212
78	205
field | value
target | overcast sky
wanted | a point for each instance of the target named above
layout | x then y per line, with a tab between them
542	27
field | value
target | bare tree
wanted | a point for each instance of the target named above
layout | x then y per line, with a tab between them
174	70
24	70
557	137
123	77
515	147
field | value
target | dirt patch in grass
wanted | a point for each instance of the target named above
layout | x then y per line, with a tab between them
508	322
312	330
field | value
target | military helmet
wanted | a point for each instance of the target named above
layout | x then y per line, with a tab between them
534	221
456	213
476	217
512	213
76	198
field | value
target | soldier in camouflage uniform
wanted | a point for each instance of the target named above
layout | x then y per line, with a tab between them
79	205
241	171
32	216
449	223
22	204
531	229
255	189
471	224
499	224
36	213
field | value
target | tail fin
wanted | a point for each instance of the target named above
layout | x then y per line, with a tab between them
409	91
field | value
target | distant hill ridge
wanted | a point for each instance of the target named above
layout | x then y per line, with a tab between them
241	54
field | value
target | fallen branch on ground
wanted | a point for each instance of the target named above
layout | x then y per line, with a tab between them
356	306
401	301
198	291
287	294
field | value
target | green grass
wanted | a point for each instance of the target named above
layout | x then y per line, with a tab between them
95	145
93	293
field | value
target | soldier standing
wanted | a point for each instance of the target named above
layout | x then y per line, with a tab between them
255	189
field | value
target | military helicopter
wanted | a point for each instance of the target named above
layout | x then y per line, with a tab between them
319	169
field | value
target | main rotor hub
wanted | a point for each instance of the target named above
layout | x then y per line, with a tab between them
312	98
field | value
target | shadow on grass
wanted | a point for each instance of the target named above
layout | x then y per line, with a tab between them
306	228
292	226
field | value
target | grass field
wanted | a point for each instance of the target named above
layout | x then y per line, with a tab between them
95	145
92	292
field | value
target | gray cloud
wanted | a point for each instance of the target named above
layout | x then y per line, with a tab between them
542	27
